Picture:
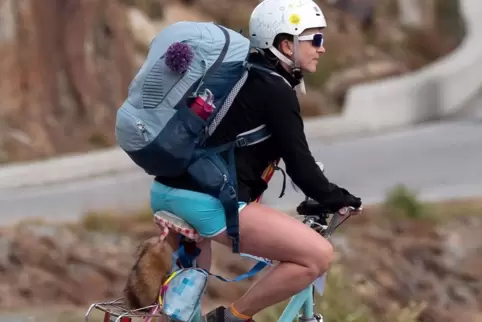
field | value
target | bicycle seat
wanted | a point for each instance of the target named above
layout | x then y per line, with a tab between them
168	221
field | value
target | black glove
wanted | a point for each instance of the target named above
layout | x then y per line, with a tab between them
340	198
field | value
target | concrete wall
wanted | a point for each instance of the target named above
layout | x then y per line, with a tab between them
434	91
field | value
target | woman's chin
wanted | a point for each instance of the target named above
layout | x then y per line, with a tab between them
310	69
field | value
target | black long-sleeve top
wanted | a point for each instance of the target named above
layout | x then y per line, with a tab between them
268	99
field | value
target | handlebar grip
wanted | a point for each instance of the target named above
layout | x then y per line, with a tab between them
312	208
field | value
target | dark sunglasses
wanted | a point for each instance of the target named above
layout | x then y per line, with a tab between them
316	39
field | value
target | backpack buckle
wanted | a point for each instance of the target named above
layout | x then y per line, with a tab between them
235	242
241	142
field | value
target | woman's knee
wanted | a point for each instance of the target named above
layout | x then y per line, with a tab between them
321	256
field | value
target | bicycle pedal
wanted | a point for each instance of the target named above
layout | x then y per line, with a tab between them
315	318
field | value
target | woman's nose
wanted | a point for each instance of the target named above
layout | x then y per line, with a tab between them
321	50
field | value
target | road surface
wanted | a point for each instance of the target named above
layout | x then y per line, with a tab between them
438	160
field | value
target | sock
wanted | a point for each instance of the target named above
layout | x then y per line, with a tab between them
231	315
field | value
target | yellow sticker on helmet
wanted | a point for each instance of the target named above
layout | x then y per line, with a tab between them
295	19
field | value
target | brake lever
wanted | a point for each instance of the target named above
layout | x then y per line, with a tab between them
337	219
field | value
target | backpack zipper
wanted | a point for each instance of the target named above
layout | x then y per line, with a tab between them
142	128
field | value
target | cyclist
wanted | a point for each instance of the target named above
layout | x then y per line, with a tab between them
287	36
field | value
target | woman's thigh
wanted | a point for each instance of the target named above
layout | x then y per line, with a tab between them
267	232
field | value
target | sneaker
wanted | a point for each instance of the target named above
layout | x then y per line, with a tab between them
218	315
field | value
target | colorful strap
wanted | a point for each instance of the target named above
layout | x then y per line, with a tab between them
268	174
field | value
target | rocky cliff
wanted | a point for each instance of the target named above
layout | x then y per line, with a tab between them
66	64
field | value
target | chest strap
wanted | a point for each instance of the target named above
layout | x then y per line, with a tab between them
252	137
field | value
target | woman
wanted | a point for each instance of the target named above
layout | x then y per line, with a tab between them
287	36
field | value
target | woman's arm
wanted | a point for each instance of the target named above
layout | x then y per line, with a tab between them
285	123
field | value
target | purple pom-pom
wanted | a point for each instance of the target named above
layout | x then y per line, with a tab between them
179	56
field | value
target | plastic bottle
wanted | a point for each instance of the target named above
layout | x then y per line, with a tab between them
203	105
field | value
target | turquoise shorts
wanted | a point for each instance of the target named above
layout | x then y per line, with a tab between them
202	211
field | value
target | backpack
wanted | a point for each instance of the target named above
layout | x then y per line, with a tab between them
159	131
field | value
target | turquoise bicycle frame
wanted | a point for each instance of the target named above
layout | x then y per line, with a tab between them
303	301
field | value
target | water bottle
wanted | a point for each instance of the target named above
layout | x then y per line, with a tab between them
203	105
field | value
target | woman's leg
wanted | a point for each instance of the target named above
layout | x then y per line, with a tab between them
204	259
304	255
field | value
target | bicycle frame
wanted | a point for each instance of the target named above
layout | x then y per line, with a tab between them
303	301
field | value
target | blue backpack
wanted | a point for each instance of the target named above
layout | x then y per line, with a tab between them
159	131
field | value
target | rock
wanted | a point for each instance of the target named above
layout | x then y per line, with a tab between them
142	27
4	252
416	13
50	264
65	68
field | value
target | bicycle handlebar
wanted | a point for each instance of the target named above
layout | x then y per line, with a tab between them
316	216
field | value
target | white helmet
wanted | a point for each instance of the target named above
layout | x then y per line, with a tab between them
273	17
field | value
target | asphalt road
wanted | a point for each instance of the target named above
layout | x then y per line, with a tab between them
440	161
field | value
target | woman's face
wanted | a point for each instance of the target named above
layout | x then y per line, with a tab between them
309	50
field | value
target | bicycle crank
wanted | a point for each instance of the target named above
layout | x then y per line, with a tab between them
315	318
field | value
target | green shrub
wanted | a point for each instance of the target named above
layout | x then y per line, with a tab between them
402	201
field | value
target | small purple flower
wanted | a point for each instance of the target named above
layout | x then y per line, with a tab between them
178	57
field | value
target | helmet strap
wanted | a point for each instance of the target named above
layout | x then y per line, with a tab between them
281	57
295	66
297	73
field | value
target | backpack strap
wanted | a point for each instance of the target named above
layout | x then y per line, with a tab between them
252	137
267	70
187	260
227	104
228	193
234	92
227	196
253	271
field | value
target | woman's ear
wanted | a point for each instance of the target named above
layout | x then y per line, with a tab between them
286	47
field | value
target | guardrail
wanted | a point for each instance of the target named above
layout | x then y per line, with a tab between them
436	90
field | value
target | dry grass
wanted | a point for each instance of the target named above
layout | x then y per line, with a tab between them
341	301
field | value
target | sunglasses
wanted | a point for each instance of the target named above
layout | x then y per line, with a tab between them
316	39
